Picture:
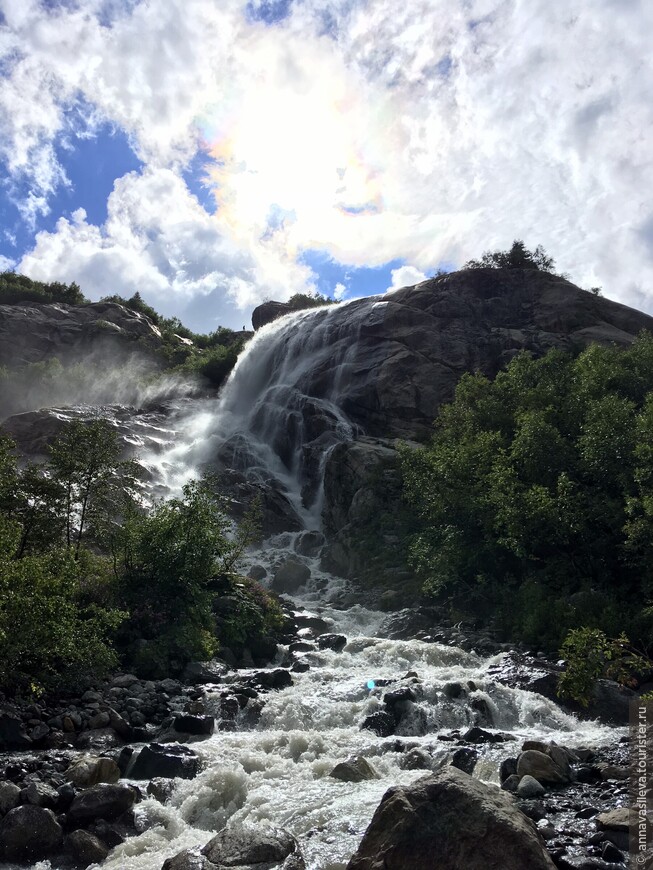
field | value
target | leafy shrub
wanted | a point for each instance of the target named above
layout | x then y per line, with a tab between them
16	289
518	257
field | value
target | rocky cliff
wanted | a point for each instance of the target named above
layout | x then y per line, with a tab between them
35	332
406	351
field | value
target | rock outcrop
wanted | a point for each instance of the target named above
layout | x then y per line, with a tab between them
449	820
35	332
268	312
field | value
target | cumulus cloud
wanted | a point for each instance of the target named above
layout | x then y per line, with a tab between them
427	132
405	276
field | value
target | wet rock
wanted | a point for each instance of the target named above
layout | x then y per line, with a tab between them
610	853
279	678
542	767
160	789
66	794
611	771
309	543
529	787
381	722
124	681
100	720
465	759
199	673
454	690
12	733
197	725
188	859
417	759
336	642
104	801
169	761
29	832
479	735
508	767
450	821
617	820
511	782
300	666
355	769
40	794
85	848
9	796
245	846
290	576
120	725
91	770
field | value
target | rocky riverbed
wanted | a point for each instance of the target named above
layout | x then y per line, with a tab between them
131	773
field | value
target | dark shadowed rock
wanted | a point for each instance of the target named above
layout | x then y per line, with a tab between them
85	848
268	312
290	576
105	801
197	725
29	832
449	821
381	722
168	761
279	678
12	733
189	859
335	642
199	673
465	759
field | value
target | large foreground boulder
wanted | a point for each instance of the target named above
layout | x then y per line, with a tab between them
105	801
449	821
29	832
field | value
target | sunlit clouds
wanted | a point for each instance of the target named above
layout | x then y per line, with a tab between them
372	132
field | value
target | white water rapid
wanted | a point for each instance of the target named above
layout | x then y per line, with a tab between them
276	771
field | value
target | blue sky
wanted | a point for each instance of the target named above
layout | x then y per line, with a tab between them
214	155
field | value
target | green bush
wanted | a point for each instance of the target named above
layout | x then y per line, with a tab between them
16	289
537	487
518	257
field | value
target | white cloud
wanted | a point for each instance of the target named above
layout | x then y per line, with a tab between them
405	276
6	265
428	132
339	291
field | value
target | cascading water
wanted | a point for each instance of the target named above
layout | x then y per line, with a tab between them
271	426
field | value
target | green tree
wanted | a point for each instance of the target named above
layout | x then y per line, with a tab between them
85	461
518	257
537	487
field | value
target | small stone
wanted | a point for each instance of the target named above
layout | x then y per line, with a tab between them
335	642
610	853
91	770
39	794
618	819
465	759
382	723
100	720
124	681
511	782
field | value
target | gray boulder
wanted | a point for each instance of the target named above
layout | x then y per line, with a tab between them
543	767
91	770
9	796
449	821
104	801
29	832
290	576
244	847
355	769
529	787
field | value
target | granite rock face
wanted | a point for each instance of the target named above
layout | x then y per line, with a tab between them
36	331
268	312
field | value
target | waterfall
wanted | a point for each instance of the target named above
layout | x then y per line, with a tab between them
279	414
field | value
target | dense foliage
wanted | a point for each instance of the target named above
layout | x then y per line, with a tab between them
309	300
19	288
535	496
88	577
518	257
